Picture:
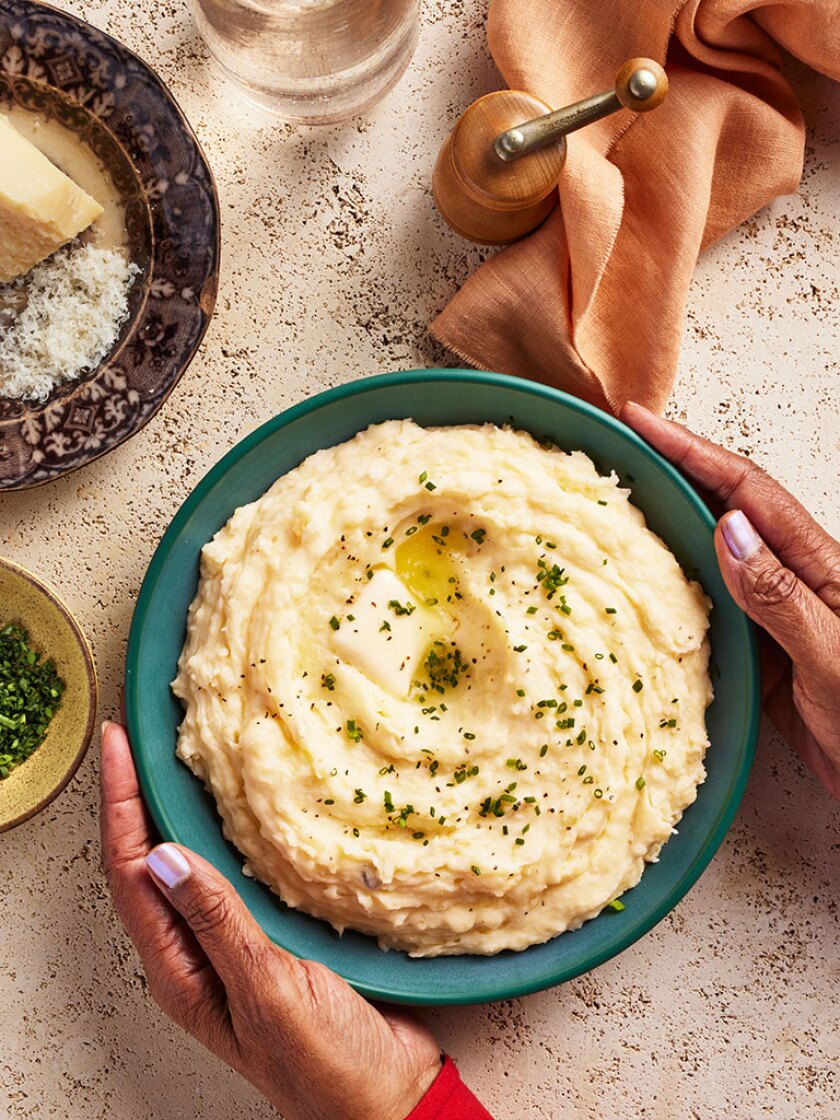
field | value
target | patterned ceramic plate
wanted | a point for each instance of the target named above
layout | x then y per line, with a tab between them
67	71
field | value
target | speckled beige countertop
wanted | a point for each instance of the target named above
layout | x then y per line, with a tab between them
333	264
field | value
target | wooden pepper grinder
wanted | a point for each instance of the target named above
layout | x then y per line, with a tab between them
496	176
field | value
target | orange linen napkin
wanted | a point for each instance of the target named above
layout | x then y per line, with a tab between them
593	300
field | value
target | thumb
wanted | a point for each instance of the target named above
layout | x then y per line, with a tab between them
774	597
211	907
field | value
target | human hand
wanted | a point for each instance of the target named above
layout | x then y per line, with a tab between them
783	570
295	1030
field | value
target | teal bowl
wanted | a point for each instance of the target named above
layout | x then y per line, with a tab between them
183	812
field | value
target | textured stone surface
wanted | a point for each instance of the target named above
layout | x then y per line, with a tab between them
333	264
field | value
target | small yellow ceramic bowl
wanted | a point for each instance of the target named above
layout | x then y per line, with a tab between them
27	602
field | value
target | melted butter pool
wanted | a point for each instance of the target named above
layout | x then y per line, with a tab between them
424	563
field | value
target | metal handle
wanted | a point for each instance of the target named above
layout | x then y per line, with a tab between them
641	84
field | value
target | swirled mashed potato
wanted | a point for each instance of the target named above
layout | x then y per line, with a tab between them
446	688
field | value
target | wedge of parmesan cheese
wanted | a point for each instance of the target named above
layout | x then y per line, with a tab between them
41	209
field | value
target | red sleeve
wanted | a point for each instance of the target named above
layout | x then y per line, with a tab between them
449	1099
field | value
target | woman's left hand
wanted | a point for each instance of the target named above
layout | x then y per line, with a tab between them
783	569
295	1030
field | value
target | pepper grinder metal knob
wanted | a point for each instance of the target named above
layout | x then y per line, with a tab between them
496	176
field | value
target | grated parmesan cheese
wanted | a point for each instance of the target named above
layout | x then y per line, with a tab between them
61	318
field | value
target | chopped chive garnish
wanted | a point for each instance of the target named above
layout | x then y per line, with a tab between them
30	693
399	609
552	579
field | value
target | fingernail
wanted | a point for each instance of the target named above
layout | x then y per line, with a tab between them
167	864
105	725
741	539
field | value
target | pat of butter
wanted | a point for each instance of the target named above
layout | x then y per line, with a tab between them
386	646
41	209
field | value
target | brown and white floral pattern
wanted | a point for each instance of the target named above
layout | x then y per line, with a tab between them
63	67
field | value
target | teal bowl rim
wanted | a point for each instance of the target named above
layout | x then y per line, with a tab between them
703	857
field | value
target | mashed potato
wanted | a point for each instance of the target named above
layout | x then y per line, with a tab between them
446	688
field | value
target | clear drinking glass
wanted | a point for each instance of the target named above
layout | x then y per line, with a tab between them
310	61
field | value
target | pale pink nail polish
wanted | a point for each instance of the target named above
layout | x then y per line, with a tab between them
167	864
741	539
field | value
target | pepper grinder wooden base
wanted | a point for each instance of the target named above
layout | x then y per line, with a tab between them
496	175
479	196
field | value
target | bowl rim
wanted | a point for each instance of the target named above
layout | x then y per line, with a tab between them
210	288
92	688
556	974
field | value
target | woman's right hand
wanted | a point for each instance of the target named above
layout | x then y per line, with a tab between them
295	1030
783	570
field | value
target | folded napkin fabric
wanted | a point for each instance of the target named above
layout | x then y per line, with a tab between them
593	300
